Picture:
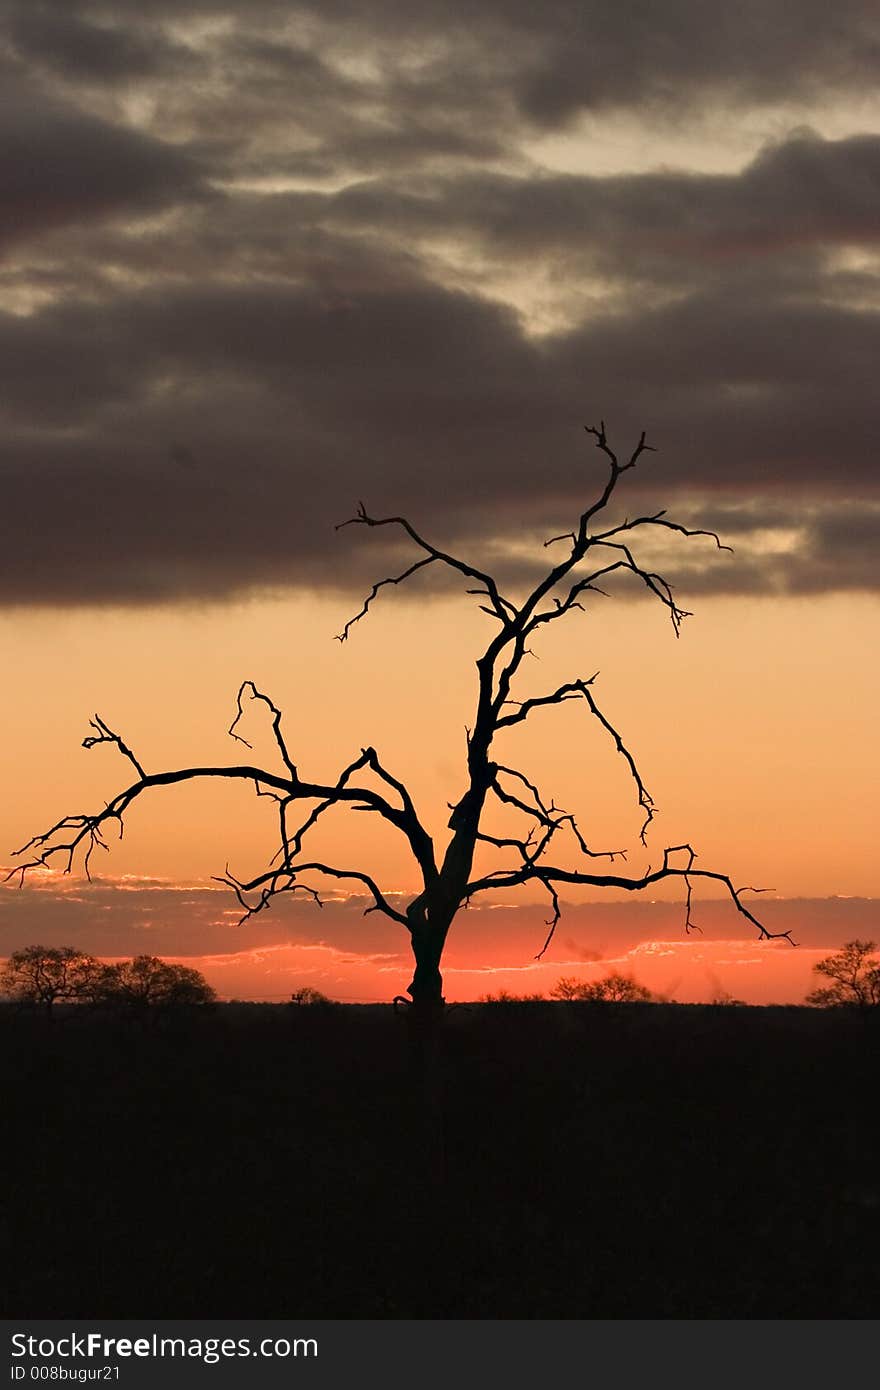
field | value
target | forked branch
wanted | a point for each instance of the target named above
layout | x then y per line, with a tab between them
550	877
80	835
273	884
501	608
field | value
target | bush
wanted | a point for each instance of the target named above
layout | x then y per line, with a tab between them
615	988
505	997
310	998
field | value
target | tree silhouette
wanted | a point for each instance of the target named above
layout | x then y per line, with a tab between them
855	975
310	998
46	974
146	982
447	879
615	988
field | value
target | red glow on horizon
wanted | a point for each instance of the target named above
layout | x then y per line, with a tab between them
680	972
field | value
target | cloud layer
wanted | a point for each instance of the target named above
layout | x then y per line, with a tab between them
262	261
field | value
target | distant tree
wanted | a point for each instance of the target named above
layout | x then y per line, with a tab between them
567	987
855	976
543	847
615	988
308	997
46	974
504	996
146	982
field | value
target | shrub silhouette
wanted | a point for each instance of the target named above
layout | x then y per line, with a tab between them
504	996
615	988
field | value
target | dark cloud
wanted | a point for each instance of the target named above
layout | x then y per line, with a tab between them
334	85
270	388
598	56
203	441
110	916
841	549
76	48
556	59
205	367
113	917
61	166
802	194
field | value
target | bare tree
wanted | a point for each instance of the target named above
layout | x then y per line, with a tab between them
446	876
46	974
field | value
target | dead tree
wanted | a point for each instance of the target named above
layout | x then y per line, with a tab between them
446	881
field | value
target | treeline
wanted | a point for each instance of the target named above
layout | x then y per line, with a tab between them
853	972
48	975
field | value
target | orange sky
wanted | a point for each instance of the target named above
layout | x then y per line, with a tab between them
753	732
259	265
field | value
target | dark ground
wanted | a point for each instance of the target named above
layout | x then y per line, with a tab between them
624	1161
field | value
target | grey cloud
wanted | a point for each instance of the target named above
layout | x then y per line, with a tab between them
271	391
61	166
776	549
76	48
801	194
600	56
832	546
843	544
290	85
113	917
195	399
109	920
571	54
272	104
202	442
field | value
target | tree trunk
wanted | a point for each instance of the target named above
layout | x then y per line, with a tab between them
424	1021
425	1113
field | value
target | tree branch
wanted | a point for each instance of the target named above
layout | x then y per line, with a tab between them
284	880
579	689
276	724
660	519
399	579
103	734
550	876
85	833
572	690
551	818
645	799
501	607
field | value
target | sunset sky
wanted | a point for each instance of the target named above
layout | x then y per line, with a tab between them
262	260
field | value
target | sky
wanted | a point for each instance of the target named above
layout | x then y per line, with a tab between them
259	261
